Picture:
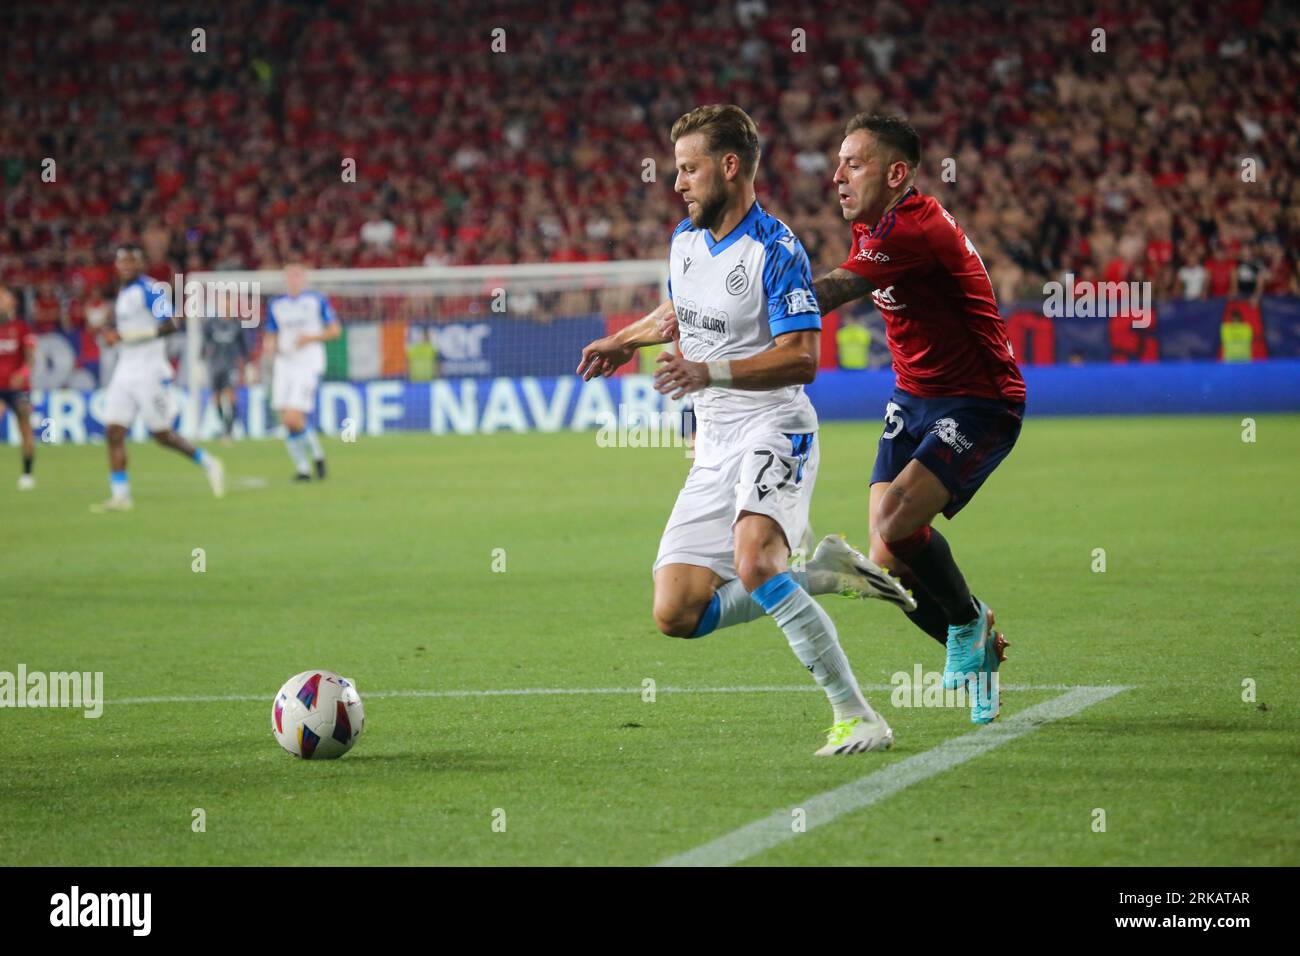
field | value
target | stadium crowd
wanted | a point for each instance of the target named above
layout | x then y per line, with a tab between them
1171	155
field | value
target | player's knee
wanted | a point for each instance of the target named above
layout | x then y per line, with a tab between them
755	570
675	620
890	524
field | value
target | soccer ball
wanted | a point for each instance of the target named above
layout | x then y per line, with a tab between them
317	715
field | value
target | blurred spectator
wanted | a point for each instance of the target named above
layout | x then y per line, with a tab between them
1109	166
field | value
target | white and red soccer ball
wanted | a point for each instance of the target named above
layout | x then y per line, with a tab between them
317	715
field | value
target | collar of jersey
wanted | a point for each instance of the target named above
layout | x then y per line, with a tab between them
720	246
886	223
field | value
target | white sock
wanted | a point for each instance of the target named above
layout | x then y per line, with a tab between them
298	452
817	582
813	639
735	606
313	442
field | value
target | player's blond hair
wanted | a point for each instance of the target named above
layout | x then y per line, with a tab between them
726	129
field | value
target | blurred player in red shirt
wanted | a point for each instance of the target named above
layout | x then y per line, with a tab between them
959	396
17	351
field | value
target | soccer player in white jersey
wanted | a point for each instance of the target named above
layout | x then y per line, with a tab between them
297	326
749	331
141	378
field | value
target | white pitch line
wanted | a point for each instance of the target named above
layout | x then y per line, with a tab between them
771	831
560	692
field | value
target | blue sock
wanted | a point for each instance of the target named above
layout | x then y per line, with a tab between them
118	485
775	590
200	456
709	620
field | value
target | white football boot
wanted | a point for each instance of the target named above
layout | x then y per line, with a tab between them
859	576
26	482
115	503
216	475
857	735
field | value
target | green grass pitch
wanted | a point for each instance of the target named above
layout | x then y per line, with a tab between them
385	574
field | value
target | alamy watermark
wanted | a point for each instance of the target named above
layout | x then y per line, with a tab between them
637	427
76	689
1092	300
214	298
922	688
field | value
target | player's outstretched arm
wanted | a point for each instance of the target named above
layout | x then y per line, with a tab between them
792	360
838	287
607	355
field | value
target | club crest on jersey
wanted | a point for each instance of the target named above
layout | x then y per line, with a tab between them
947	432
737	279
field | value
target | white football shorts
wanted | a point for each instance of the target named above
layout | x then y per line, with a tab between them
146	392
293	388
759	469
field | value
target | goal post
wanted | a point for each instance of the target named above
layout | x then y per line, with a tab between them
412	336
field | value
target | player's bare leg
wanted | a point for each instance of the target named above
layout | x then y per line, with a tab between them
902	513
210	464
23	413
120	489
303	444
928	616
683	593
761	563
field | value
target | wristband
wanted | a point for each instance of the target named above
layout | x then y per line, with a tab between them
720	374
142	335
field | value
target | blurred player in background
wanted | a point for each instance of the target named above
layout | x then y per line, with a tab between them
142	315
17	352
225	350
959	398
749	335
297	326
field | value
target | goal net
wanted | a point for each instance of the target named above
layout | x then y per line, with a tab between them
437	349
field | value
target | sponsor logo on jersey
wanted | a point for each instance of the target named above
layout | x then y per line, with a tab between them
686	265
948	433
707	323
800	300
790	243
885	301
872	255
737	280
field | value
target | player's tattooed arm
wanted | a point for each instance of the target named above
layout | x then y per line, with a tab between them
838	287
792	361
605	356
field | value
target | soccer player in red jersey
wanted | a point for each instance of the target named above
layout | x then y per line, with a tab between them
959	397
17	351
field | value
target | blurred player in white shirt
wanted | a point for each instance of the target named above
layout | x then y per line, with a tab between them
141	378
298	324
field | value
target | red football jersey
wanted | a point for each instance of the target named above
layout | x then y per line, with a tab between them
15	339
945	333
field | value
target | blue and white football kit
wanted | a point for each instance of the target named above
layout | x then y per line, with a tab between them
296	372
755	451
142	375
